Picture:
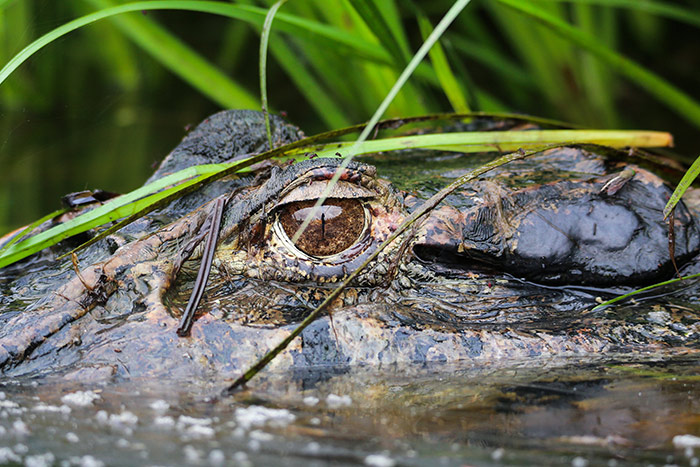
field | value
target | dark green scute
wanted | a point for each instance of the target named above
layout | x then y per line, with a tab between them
224	137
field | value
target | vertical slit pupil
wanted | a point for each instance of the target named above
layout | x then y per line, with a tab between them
335	227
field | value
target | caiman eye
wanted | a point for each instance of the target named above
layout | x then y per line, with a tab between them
336	226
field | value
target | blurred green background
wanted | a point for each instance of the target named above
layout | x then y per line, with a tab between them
101	106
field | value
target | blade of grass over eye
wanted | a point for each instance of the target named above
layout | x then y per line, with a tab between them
657	8
426	207
690	176
644	289
131	206
478	141
264	38
442	26
449	83
668	94
287	23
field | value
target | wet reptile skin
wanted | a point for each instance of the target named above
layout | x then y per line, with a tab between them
508	268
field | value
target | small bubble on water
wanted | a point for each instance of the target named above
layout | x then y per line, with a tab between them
40	460
216	457
160	406
497	454
192	455
72	437
579	462
379	460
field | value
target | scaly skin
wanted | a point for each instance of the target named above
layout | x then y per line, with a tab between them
448	290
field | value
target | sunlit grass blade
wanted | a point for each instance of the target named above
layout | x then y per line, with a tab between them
264	39
499	141
690	175
447	79
151	196
255	15
668	94
644	289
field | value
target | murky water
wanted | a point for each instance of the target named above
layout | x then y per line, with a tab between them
538	412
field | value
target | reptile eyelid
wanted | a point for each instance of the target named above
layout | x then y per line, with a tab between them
313	191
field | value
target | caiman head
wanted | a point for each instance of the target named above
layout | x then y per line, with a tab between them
509	267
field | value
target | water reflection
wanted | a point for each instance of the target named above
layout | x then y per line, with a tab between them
536	411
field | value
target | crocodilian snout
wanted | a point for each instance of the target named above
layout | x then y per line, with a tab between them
563	233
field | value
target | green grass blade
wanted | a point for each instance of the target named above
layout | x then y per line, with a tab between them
668	94
690	175
254	15
110	211
448	81
368	10
331	112
264	39
663	9
644	289
478	141
445	22
182	60
28	229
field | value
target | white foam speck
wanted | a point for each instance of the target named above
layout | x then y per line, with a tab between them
7	455
80	398
72	437
2	396
313	447
199	431
310	401
101	416
191	454
256	415
89	461
254	445
164	422
42	407
379	460
686	441
335	401
21	448
240	456
40	460
5	404
159	406
216	457
498	454
123	443
184	420
261	435
124	419
579	462
20	428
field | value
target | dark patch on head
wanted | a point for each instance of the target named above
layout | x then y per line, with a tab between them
318	348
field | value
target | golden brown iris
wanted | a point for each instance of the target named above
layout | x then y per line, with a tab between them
335	227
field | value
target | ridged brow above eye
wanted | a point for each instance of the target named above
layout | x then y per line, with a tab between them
311	191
